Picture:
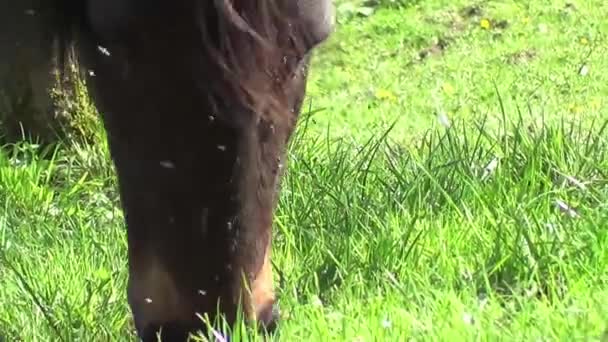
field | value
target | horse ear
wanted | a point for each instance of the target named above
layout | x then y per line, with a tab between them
318	20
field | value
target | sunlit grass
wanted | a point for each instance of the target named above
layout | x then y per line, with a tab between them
462	233
436	57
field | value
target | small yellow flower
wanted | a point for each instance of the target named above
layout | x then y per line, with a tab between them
485	24
383	94
584	41
575	109
448	89
526	20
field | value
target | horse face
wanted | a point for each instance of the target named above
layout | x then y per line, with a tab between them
198	167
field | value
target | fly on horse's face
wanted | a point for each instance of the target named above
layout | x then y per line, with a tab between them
199	99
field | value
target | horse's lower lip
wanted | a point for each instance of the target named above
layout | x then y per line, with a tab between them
172	331
269	317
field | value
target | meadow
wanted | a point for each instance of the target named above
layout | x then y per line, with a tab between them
448	181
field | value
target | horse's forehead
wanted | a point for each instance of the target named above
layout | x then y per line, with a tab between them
110	17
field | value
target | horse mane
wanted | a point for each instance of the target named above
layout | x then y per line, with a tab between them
248	48
261	45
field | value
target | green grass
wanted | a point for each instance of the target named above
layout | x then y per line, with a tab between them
369	72
491	229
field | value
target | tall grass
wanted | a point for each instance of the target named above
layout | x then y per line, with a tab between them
467	231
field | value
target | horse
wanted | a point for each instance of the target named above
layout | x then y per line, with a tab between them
199	99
